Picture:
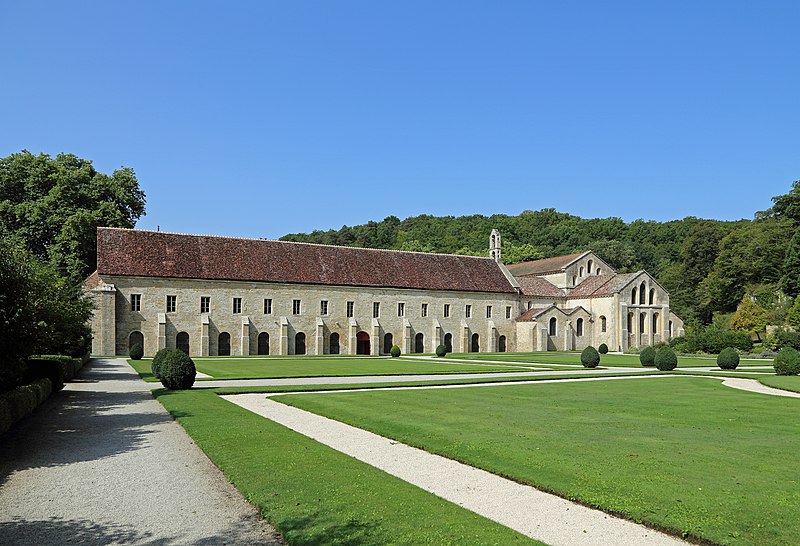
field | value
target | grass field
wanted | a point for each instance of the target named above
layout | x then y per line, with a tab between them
315	495
685	454
785	382
268	368
607	360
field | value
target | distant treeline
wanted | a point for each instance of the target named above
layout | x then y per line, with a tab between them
707	265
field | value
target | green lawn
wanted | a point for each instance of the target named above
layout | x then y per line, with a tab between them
315	495
785	382
607	360
270	368
685	454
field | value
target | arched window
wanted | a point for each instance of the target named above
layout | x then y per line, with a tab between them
655	323
652	298
362	343
670	328
224	344
598	271
476	343
501	344
579	327
448	342
589	268
574	280
642	289
388	341
300	343
334	344
642	323
580	271
602	324
182	342
419	343
633	296
136	338
263	343
630	323
553	326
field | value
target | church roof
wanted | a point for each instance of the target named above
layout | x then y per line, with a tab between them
539	287
542	267
139	253
602	285
534	312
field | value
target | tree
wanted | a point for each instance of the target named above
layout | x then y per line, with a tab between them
786	206
750	317
790	281
793	316
54	206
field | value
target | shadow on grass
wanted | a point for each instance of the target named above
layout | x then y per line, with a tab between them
352	532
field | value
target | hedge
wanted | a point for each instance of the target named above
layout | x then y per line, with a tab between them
59	369
20	402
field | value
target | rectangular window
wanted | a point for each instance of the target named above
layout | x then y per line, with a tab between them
323	307
267	306
508	311
488	311
468	311
446	310
172	303
424	311
237	305
401	309
205	304
350	306
136	302
376	309
295	307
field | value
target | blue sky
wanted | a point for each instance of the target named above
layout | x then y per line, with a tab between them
263	118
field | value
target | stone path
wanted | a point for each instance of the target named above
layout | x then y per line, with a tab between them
102	462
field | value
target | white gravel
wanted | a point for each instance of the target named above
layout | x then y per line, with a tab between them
103	463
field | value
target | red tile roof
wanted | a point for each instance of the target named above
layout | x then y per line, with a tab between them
127	252
537	286
590	285
541	267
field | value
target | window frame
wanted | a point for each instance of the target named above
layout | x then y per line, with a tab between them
324	308
267	306
172	303
237	306
136	303
205	304
488	311
401	309
350	309
423	312
297	307
376	309
446	310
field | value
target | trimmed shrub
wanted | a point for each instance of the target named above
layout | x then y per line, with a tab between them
648	356
395	351
666	359
136	352
590	358
441	351
728	359
20	402
602	349
58	369
787	362
157	360
177	370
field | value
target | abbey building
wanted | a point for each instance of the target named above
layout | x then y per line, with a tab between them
226	296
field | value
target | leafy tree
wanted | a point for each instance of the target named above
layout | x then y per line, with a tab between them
793	316
790	281
786	206
750	317
525	252
54	205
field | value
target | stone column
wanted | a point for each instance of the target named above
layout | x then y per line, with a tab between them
375	338
544	335
204	339
352	340
492	339
568	336
407	337
319	337
623	334
283	348
437	336
245	348
465	347
162	331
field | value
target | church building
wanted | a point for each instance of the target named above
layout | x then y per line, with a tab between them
211	295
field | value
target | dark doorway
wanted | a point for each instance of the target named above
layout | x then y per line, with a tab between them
300	343
224	344
362	343
501	344
334	345
419	343
136	338
476	345
448	342
182	342
388	341
263	343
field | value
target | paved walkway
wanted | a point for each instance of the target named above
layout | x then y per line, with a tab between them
102	462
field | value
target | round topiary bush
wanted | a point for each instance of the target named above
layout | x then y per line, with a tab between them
441	350
590	358
728	359
648	356
602	349
177	370
787	362
156	365
136	352
666	359
395	351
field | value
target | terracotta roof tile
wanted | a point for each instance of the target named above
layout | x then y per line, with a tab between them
537	286
528	315
540	267
590	285
158	254
92	281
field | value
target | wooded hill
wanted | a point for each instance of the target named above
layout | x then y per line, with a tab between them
707	265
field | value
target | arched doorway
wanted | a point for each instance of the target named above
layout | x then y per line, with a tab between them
419	343
448	342
334	344
224	344
263	343
501	344
136	338
475	345
362	343
388	341
182	342
300	343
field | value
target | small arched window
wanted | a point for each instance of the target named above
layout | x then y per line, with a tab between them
589	268
574	280
655	323
602	324
670	328
642	289
598	271
652	298
580	272
579	327
633	295
630	323
642	323
553	326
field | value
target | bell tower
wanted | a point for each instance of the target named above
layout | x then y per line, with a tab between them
495	246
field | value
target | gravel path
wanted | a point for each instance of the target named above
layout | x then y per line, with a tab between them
103	463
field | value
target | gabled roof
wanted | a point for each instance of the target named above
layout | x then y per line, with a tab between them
535	312
539	287
542	267
139	253
590	285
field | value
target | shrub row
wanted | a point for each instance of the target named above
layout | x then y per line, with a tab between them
21	401
711	339
58	369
